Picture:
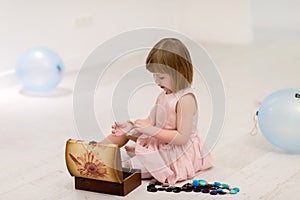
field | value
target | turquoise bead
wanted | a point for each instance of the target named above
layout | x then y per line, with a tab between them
236	189
203	182
225	186
233	191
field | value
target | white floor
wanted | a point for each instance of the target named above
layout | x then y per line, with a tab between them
34	130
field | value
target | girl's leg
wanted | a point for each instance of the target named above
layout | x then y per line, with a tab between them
128	164
119	140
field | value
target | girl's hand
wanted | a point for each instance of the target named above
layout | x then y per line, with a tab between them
145	127
121	128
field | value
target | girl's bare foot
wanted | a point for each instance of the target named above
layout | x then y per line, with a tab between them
130	150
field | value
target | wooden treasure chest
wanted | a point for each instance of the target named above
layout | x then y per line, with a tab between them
97	167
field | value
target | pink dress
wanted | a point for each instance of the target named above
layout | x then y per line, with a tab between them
168	162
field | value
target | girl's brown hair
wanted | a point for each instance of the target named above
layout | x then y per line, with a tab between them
170	56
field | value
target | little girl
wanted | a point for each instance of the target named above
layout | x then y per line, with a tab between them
168	147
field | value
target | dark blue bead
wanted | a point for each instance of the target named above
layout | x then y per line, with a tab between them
217	184
219	190
196	182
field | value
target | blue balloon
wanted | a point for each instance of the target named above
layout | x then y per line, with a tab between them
39	70
279	119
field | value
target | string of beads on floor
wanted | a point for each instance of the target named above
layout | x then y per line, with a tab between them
199	186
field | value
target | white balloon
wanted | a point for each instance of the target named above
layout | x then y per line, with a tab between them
39	70
279	119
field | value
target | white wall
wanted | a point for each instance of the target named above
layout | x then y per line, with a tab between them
276	14
226	21
74	27
71	27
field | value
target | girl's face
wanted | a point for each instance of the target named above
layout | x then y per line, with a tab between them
163	81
